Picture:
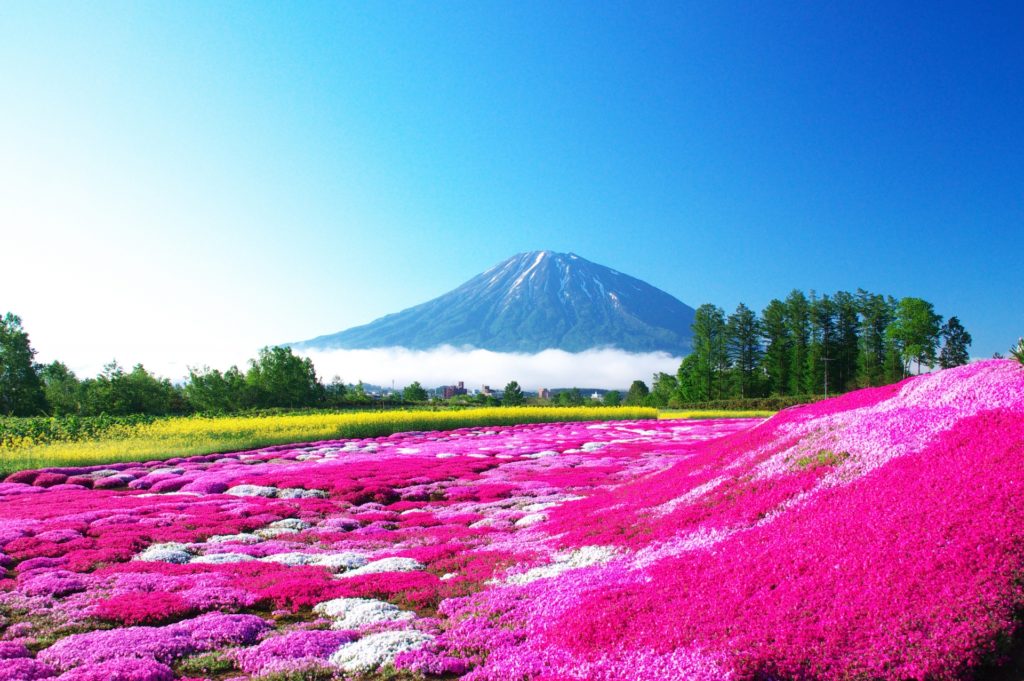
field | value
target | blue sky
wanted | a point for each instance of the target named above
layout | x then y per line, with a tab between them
185	182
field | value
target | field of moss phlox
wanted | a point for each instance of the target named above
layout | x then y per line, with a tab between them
878	535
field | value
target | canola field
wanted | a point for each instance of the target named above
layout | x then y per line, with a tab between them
195	435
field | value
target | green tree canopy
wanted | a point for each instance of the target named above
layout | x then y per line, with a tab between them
513	395
612	398
119	392
414	392
637	395
209	390
570	398
21	391
279	378
663	388
915	332
63	389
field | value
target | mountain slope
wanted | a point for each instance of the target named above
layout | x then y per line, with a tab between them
531	302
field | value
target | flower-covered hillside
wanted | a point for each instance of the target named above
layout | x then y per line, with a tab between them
879	535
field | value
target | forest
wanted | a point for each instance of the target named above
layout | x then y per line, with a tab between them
810	345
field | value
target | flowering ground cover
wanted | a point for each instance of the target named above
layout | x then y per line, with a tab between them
879	535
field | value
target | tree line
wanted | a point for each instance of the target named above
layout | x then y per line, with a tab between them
275	379
809	345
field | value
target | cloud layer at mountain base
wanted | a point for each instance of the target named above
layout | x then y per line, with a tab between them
446	365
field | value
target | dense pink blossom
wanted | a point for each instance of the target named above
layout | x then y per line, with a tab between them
302	646
126	669
877	535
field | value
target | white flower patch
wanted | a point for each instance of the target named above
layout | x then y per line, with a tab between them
357	613
543	506
580	558
393	564
223	558
541	455
252	491
167	471
170	552
531	519
241	538
292	559
300	493
375	650
341	562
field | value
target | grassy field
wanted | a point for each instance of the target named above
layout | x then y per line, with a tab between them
186	436
714	414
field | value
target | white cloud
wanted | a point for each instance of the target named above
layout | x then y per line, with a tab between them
597	368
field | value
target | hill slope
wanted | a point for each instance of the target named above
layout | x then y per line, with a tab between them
531	302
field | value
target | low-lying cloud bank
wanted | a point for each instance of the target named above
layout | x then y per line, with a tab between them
446	365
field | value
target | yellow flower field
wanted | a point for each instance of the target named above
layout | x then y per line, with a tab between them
713	414
194	435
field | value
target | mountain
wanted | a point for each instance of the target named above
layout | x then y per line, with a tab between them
531	302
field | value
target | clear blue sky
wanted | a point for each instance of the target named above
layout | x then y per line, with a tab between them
187	178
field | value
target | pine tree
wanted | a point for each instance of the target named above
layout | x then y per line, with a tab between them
798	319
846	346
777	347
709	349
955	341
821	313
743	348
875	316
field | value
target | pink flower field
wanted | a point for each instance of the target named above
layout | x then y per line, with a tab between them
878	535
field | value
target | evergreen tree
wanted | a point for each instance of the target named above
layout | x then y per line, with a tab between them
798	320
743	349
875	316
689	380
709	334
612	398
846	343
955	341
821	347
513	394
21	391
777	347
